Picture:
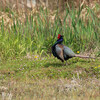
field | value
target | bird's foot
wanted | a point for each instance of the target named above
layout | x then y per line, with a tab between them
66	64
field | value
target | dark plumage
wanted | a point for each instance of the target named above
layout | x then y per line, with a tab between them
63	52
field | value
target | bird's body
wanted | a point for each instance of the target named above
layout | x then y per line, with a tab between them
63	52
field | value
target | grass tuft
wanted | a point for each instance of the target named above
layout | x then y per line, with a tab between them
38	33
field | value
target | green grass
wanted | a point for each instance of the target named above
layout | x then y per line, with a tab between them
41	68
39	32
48	78
27	69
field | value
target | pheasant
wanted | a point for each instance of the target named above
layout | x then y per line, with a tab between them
63	52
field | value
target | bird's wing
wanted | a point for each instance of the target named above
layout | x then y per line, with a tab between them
68	52
59	51
53	51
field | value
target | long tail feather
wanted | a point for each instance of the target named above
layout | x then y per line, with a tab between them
81	56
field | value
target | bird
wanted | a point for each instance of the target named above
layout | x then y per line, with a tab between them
63	52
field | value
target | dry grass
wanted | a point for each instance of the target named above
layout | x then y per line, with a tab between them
20	9
16	77
17	83
60	89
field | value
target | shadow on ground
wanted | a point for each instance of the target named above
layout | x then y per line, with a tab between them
70	62
54	65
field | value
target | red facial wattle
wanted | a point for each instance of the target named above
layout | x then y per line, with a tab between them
59	36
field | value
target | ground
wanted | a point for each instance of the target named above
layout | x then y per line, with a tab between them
46	78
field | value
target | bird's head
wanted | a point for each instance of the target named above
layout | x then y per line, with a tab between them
59	36
59	40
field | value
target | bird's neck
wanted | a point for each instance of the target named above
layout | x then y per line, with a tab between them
59	41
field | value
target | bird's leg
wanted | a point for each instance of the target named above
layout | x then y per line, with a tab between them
66	63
